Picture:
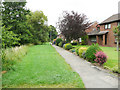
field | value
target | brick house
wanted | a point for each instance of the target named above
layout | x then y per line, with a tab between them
103	34
92	28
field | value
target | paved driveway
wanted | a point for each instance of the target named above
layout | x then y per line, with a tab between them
92	76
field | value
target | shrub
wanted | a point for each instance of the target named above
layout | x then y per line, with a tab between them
61	43
9	38
101	58
72	50
68	46
64	46
91	51
116	69
58	41
11	56
83	55
81	50
84	40
74	43
77	51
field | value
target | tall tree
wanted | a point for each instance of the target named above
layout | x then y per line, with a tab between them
14	18
52	32
73	25
39	29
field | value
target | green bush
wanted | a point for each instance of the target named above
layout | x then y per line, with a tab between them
58	41
61	43
9	38
77	51
116	69
11	56
84	40
64	46
81	50
74	43
68	46
83	55
91	51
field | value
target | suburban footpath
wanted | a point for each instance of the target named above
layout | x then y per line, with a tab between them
92	76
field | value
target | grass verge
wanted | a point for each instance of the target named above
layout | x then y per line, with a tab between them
42	67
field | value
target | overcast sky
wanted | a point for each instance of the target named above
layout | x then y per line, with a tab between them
96	10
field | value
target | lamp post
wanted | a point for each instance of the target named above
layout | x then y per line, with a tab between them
117	38
116	32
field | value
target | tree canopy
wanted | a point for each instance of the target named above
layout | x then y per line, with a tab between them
52	32
73	25
20	26
14	20
39	28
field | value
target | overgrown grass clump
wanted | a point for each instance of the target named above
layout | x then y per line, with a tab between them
11	56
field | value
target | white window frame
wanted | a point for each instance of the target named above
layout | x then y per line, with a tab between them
109	26
106	26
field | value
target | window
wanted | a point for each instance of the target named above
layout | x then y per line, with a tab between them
118	23
107	26
94	29
93	38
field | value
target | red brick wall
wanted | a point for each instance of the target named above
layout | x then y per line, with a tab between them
91	27
100	41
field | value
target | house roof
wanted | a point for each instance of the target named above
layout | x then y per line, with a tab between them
98	33
113	18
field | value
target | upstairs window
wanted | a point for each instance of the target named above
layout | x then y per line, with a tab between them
94	29
118	23
107	26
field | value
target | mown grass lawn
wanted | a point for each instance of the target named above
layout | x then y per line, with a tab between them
42	67
112	62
